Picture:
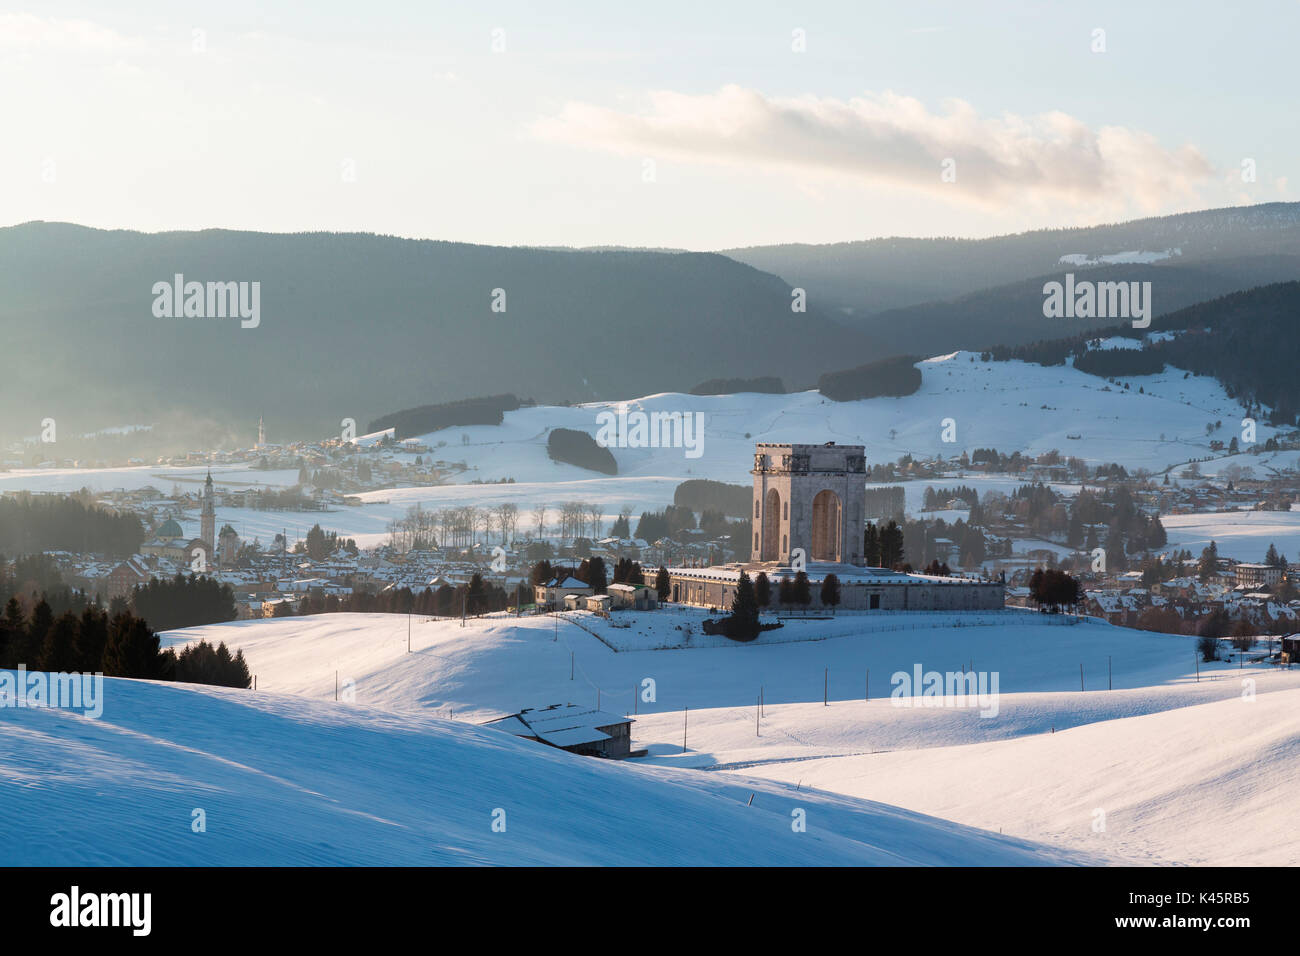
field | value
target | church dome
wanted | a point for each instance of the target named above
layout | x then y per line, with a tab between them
170	529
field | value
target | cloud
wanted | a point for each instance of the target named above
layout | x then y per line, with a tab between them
893	140
25	32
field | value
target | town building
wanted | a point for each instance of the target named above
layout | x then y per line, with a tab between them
552	594
635	597
1259	575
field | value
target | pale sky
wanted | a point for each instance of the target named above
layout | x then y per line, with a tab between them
686	125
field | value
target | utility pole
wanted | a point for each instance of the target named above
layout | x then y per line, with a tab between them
685	711
1108	681
1081	676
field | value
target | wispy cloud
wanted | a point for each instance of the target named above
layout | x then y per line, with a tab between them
26	32
886	139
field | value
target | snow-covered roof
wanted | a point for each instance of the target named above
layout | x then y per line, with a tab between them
567	583
561	725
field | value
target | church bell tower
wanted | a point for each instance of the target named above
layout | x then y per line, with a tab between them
208	524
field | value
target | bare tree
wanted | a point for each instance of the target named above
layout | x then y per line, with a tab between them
507	515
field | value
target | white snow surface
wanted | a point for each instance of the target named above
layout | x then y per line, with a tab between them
1172	755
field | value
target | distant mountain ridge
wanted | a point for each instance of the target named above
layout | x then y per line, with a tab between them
355	325
874	278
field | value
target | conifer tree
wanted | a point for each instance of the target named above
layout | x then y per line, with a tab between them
92	635
132	650
802	590
59	649
33	639
830	593
663	585
743	623
871	547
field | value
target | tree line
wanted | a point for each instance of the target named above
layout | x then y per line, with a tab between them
31	524
116	644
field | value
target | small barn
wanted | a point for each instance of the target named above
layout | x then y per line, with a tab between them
552	594
571	727
635	597
1290	649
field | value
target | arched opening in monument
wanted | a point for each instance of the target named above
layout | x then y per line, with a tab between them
826	527
771	524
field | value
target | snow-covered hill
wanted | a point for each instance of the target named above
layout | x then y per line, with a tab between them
1198	785
1225	732
278	780
497	665
1002	405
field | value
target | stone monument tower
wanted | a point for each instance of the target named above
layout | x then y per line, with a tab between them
809	497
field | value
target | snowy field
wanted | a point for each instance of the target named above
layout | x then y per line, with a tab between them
1245	535
283	780
495	666
1172	755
